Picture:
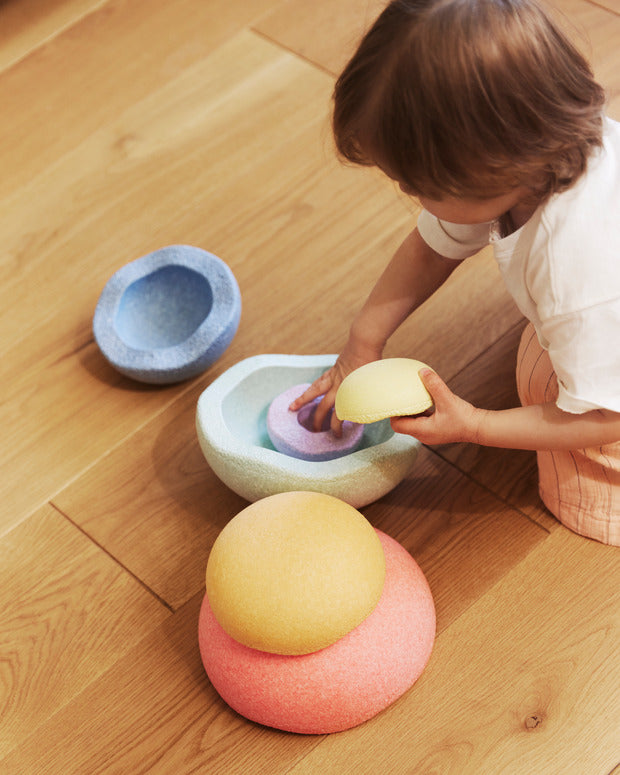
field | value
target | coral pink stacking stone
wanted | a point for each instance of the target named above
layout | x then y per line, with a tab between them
342	685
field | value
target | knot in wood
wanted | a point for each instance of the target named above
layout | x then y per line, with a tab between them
533	721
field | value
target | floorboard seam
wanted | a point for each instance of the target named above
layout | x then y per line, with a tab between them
521	324
52	36
102	548
310	752
603	7
292	52
486	488
119	443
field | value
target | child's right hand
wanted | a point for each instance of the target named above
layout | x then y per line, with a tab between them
327	386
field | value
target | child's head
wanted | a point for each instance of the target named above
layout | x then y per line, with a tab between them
469	98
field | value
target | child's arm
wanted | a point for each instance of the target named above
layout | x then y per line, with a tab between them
412	275
540	426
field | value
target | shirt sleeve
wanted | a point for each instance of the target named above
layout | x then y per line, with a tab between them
583	348
453	240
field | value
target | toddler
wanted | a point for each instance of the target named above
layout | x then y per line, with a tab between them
486	113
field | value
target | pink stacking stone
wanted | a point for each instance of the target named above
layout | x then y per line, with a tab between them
340	686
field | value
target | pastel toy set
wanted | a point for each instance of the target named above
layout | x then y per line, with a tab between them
231	422
312	621
342	613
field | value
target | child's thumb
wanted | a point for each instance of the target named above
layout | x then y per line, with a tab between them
432	382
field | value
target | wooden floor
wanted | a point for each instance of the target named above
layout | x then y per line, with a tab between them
126	126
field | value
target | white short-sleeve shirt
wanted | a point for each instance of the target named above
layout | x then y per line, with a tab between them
563	270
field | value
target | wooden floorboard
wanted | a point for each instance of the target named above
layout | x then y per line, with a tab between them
167	718
27	25
69	612
594	26
540	700
271	204
489	381
543	703
290	24
128	126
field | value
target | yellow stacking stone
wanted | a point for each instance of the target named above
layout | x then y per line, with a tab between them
295	572
386	388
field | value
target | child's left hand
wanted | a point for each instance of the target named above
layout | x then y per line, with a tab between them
452	420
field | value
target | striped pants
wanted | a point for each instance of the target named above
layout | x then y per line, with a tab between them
580	487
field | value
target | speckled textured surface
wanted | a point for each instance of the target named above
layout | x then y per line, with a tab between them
344	684
231	422
169	315
390	387
294	573
292	433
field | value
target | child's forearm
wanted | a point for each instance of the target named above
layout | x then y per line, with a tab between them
544	426
412	275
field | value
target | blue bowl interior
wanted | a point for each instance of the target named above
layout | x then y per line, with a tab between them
164	308
245	407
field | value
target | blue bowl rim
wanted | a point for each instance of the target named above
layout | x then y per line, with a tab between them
221	322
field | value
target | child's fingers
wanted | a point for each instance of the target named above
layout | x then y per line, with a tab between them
322	410
418	425
413	426
323	386
316	389
336	426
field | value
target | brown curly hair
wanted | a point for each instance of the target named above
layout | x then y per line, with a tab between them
469	98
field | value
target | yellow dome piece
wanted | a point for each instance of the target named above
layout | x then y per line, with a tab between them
387	388
295	572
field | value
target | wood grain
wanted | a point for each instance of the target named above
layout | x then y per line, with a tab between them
49	338
160	507
450	527
127	126
489	381
610	5
295	25
69	612
526	701
276	204
594	26
28	24
167	718
542	703
595	31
